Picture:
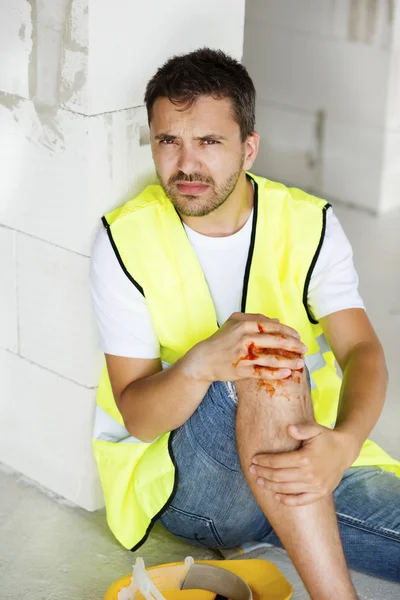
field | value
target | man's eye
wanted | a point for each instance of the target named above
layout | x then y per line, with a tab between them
167	142
210	142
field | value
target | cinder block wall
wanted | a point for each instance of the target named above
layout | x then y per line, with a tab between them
72	146
328	79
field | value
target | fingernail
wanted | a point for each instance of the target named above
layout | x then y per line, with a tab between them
255	461
304	347
300	364
260	482
253	469
277	497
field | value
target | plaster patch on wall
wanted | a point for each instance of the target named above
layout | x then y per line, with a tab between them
390	11
371	22
144	137
38	122
51	135
74	64
22	32
47	24
9	101
362	20
32	66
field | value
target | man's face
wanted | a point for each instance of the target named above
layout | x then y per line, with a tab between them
198	153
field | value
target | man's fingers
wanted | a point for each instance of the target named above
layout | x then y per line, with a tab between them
298	500
257	372
294	487
277	475
286	460
272	327
284	341
261	324
278	362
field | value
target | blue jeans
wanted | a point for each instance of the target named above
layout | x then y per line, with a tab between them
214	506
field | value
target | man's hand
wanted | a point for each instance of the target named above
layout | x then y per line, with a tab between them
306	475
247	346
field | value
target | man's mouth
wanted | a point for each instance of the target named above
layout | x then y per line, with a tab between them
191	189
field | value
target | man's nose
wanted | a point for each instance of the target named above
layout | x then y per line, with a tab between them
188	160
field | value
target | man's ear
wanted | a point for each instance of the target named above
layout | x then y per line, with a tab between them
251	150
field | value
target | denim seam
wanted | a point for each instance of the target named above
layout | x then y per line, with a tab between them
207	521
353	522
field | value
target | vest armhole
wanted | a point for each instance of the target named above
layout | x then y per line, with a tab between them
313	263
251	248
117	254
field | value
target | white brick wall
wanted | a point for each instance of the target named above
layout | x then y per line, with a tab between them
337	59
45	429
391	173
78	167
119	164
44	154
56	326
352	164
147	38
288	145
64	161
15	46
8	293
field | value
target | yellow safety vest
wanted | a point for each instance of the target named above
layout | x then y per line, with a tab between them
152	247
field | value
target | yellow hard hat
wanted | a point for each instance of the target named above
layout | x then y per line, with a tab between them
251	579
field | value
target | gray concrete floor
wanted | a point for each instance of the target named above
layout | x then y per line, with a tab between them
50	550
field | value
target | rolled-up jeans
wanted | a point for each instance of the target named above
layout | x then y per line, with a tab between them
214	506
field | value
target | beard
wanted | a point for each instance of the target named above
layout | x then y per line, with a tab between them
196	206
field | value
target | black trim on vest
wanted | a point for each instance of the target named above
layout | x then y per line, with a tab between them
117	254
251	247
313	263
170	499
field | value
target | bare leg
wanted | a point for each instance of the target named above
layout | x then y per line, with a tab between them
309	533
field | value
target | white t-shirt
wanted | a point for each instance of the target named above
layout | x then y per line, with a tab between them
124	321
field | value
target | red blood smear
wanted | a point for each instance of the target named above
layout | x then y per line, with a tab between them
279	335
278	352
253	352
249	356
264	383
271	386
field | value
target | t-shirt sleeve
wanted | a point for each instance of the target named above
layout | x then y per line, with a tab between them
334	281
121	312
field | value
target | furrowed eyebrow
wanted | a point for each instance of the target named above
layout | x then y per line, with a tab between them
212	136
165	136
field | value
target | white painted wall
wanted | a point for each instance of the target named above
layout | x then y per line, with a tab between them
72	146
327	74
142	35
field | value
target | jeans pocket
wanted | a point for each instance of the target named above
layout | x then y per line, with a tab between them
191	527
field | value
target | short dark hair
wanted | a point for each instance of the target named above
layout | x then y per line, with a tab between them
205	72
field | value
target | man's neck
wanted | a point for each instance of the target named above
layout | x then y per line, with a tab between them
228	218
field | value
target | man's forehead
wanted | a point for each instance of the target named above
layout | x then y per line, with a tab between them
205	111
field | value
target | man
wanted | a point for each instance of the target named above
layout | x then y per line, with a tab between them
213	291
